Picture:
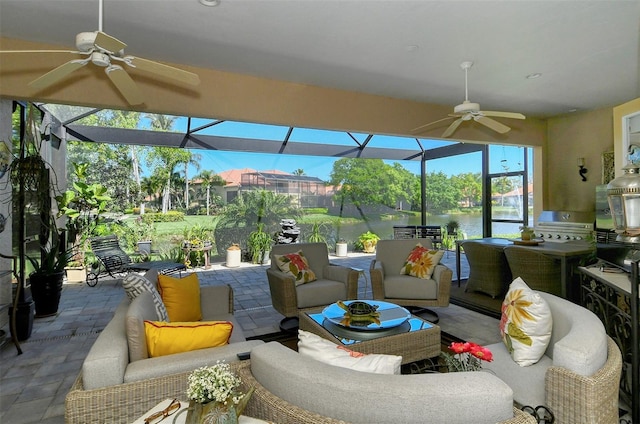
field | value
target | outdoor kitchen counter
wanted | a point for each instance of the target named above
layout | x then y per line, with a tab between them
569	253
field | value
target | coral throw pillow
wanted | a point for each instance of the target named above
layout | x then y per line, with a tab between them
296	264
135	284
314	346
421	262
167	338
526	323
181	297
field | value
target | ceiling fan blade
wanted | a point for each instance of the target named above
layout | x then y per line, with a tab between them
108	43
39	51
512	115
424	127
162	70
452	128
123	82
57	74
493	124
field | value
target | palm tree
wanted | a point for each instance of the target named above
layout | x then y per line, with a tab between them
195	161
164	160
209	178
299	171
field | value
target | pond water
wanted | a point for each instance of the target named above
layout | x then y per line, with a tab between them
470	224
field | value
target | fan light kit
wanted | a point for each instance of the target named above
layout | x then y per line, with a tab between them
101	49
467	111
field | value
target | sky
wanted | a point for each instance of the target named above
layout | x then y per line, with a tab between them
321	167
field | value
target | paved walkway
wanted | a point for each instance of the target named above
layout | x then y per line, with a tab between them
33	385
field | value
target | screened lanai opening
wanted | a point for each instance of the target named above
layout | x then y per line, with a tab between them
336	185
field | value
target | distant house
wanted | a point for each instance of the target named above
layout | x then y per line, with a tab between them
513	197
305	190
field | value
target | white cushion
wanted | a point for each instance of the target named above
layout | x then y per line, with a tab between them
526	323
322	350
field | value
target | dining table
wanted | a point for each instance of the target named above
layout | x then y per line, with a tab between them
569	253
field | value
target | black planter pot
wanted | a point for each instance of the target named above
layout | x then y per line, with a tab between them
45	290
24	320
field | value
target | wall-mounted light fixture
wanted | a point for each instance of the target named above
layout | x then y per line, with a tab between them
582	170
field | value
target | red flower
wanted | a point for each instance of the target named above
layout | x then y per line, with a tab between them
481	353
297	260
457	347
416	253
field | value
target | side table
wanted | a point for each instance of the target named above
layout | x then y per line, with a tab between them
614	298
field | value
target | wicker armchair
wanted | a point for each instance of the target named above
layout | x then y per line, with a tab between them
488	269
333	282
539	271
405	290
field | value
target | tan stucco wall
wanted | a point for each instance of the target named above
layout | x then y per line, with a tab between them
571	136
225	95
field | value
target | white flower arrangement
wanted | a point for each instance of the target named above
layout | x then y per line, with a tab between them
214	384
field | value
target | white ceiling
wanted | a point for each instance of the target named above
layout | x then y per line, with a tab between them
587	51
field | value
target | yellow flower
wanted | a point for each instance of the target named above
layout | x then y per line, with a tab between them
516	307
422	265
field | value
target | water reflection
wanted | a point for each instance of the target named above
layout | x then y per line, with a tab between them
470	224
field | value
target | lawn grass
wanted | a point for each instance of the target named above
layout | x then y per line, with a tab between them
177	228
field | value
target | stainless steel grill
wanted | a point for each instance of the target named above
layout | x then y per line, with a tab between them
563	226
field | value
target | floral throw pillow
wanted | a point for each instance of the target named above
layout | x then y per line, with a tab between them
296	264
421	262
525	325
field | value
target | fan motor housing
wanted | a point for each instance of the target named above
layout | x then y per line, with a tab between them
467	107
85	41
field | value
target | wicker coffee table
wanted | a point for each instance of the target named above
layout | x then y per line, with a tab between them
414	340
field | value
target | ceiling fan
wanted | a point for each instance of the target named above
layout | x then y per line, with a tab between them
468	111
101	49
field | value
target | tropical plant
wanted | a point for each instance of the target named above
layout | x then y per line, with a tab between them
53	259
259	243
209	179
367	241
452	226
251	208
83	205
316	235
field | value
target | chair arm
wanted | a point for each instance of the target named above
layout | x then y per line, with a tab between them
577	398
283	292
217	298
344	274
376	274
443	276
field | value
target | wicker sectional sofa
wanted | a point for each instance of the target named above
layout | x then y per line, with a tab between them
577	378
293	389
112	389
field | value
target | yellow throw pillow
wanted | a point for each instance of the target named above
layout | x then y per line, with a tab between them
167	338
296	264
181	297
421	262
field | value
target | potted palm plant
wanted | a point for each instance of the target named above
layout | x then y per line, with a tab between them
259	244
48	275
452	227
